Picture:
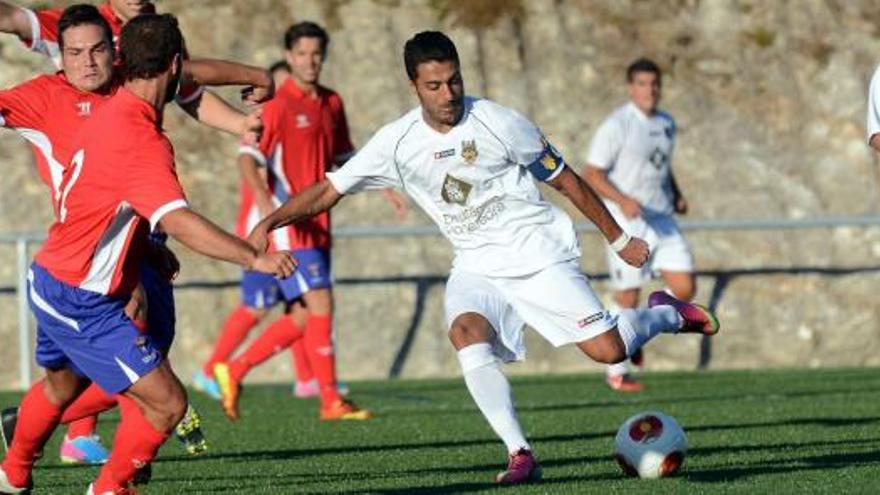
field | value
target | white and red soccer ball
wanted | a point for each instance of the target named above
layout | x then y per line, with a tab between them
650	445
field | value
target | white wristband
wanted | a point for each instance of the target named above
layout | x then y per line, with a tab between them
620	242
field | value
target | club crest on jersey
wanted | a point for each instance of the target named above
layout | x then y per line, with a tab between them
469	151
658	158
455	191
302	121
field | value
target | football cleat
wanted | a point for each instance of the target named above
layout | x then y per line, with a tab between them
206	385
696	318
623	383
189	432
120	491
143	475
521	468
7	487
8	419
344	410
229	390
83	450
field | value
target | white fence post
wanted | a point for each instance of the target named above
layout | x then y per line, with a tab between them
24	337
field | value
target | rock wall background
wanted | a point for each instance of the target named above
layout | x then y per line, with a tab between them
770	101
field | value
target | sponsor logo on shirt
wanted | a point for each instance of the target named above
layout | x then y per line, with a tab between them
455	191
469	151
84	108
302	121
472	218
439	155
591	319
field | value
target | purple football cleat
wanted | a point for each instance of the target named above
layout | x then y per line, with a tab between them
521	468
697	319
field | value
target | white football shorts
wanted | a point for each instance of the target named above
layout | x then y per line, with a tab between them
557	302
670	251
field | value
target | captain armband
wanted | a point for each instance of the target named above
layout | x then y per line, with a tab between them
548	164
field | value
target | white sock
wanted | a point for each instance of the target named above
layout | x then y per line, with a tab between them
491	391
618	369
625	366
638	326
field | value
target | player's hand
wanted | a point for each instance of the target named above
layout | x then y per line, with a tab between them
259	238
401	207
253	128
280	263
254	95
631	208
164	261
681	206
136	309
635	253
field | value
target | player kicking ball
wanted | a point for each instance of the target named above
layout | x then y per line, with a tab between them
473	166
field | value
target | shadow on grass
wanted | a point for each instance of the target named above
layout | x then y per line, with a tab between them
841	460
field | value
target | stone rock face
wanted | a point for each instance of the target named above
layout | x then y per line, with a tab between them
770	102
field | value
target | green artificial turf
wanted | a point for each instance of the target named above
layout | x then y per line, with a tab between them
789	431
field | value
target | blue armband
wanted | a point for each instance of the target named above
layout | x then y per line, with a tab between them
548	164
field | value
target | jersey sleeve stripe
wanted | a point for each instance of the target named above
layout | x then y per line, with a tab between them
165	209
35	28
250	150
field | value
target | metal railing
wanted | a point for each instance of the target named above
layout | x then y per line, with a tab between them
22	241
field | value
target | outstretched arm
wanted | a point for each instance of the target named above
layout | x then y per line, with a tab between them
212	111
313	200
258	83
14	20
634	251
199	234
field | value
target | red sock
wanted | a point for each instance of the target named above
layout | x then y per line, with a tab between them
84	427
300	359
136	444
319	345
235	330
277	337
92	401
37	419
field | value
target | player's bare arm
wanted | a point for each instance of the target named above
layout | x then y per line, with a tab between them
313	200
635	252
13	20
259	86
212	111
255	178
199	234
598	181
679	203
875	142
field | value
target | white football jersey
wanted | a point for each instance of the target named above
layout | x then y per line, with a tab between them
475	183
636	150
873	121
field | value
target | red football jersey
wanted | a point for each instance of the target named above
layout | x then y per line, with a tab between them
44	40
120	183
48	112
303	137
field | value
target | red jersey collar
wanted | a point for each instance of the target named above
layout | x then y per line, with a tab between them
291	87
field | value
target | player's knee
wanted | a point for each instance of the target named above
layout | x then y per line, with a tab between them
468	329
627	298
685	292
174	409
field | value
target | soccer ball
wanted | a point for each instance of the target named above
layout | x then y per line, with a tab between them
650	445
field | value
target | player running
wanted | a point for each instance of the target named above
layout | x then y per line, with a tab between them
473	166
47	112
630	166
121	185
306	134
